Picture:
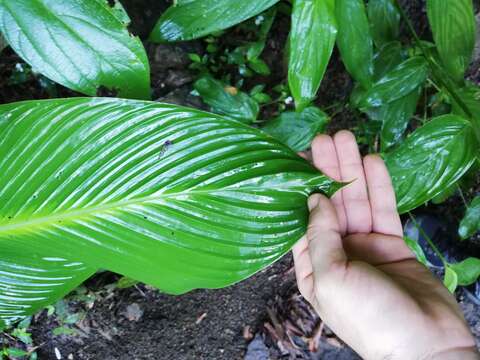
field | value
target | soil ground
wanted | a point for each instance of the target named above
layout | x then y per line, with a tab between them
263	317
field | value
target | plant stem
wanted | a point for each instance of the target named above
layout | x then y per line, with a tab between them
429	241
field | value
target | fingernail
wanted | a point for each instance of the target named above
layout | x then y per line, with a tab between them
313	201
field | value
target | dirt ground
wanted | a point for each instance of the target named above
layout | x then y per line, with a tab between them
261	318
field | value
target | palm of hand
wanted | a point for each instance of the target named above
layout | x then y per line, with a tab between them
355	269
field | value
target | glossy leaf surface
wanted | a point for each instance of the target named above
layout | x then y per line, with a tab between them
450	279
397	83
354	40
384	21
170	196
80	44
431	159
191	19
227	100
470	223
453	28
310	46
297	129
468	271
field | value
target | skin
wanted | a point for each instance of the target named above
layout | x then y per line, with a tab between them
355	269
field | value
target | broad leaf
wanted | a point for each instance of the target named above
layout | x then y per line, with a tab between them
387	58
192	19
396	84
80	44
170	196
450	279
297	129
468	271
470	96
453	28
384	19
227	100
354	40
470	223
431	159
310	46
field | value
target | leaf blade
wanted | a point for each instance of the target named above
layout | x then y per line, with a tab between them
61	41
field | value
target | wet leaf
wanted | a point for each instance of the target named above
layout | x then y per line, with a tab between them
397	83
354	40
297	129
61	40
468	271
470	223
453	28
384	19
431	159
234	103
310	47
170	196
193	19
387	58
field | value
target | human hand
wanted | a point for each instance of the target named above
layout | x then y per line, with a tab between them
355	269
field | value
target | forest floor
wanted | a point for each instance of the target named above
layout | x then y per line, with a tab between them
261	318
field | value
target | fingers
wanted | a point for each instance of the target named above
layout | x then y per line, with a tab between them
325	159
303	268
385	217
376	249
355	195
324	239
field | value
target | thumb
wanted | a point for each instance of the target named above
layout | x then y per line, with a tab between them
323	234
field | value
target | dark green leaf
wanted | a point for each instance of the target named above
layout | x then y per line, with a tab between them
431	159
16	353
387	58
468	271
310	46
450	279
192	19
354	40
80	44
259	66
398	83
470	96
453	28
227	100
172	197
297	129
470	224
417	250
384	21
396	117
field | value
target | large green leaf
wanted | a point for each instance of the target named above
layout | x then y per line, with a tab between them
453	28
191	19
354	40
297	129
384	19
397	83
174	197
233	103
311	44
470	96
470	223
80	44
431	159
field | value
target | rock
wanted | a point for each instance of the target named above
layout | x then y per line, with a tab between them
133	312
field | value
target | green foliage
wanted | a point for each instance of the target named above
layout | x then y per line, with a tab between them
191	19
471	222
311	44
431	159
227	100
468	271
297	129
354	40
417	250
84	51
384	21
173	197
450	279
453	28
